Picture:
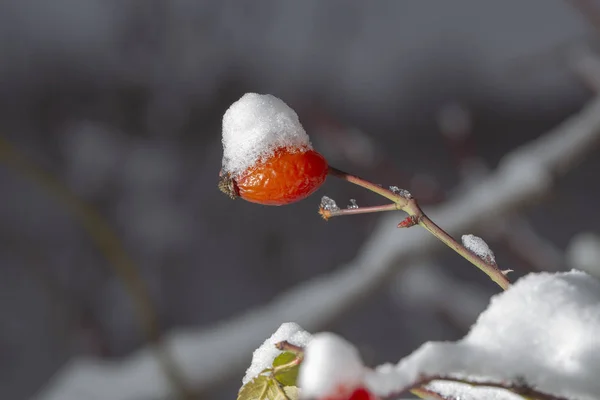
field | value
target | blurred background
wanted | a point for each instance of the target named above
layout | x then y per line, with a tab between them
110	150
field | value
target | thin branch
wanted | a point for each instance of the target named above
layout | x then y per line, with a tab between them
99	231
489	269
401	202
515	234
409	204
524	175
519	388
109	244
424	393
287	346
326	213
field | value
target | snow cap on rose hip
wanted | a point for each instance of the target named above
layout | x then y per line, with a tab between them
267	155
332	368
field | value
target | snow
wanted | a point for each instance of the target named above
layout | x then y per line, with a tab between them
478	246
315	303
254	127
543	331
456	390
401	192
353	205
263	357
331	366
329	204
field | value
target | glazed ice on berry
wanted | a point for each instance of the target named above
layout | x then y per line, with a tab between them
267	155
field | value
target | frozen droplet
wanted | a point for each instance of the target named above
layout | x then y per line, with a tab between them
478	246
352	205
329	204
401	192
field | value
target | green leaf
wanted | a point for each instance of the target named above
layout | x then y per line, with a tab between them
284	358
265	388
286	375
292	392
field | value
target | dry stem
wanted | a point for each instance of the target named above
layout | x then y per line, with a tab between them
109	244
519	388
409	205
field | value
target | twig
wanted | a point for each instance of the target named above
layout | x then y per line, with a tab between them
518	388
109	244
409	205
287	346
399	201
326	214
424	393
522	176
514	233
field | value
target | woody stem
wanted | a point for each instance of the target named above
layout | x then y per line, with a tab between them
409	205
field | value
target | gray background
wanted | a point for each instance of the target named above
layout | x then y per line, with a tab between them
122	99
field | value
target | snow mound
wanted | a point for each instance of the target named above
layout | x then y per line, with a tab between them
329	204
542	331
478	246
254	127
331	366
263	357
462	391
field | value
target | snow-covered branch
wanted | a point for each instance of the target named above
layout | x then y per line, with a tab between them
552	318
207	356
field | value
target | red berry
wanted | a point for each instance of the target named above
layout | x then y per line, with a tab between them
358	394
362	394
289	175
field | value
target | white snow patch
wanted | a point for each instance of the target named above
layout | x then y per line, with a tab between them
263	357
331	366
456	390
353	205
401	192
543	330
254	127
329	204
478	246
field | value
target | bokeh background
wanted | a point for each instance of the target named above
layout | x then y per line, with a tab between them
119	102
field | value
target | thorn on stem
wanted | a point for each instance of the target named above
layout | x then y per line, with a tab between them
325	214
409	221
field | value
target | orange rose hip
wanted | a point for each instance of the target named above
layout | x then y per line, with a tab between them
286	177
267	155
